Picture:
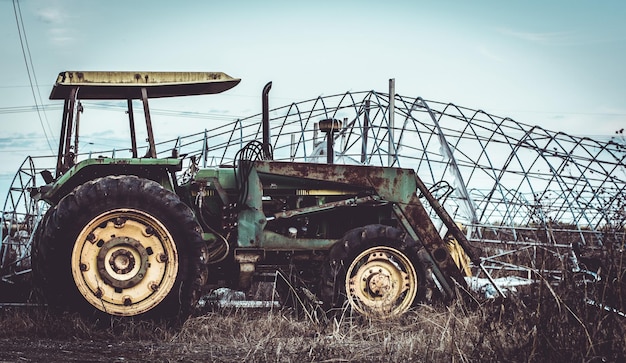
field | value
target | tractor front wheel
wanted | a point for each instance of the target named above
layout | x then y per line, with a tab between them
375	270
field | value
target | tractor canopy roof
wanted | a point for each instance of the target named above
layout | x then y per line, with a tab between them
128	85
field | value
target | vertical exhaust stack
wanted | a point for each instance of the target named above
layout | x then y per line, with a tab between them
267	149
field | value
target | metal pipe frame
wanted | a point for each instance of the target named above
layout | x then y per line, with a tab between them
513	182
506	174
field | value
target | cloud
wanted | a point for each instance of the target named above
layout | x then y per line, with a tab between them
51	15
543	38
22	141
564	38
56	21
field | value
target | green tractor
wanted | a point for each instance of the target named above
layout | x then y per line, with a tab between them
129	237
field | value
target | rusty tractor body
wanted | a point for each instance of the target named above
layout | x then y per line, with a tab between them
129	237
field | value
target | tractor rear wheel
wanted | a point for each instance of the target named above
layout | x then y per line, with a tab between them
122	246
374	271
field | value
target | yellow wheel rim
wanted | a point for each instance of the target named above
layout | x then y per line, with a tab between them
124	262
381	282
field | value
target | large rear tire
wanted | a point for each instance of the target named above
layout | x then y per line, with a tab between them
120	246
374	271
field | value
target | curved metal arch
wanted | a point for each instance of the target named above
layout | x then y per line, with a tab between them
499	127
559	177
581	178
555	175
453	164
387	127
426	156
359	109
302	127
602	149
384	129
469	125
339	107
512	155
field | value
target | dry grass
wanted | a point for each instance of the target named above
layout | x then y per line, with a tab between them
428	333
545	324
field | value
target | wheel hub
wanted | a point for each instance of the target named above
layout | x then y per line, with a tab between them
122	262
379	284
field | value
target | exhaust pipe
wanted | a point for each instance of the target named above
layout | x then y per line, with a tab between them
266	121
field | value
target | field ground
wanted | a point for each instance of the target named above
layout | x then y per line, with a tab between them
543	324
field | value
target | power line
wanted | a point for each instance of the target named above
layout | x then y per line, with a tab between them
29	66
32	66
24	109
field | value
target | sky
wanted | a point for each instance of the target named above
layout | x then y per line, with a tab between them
557	64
